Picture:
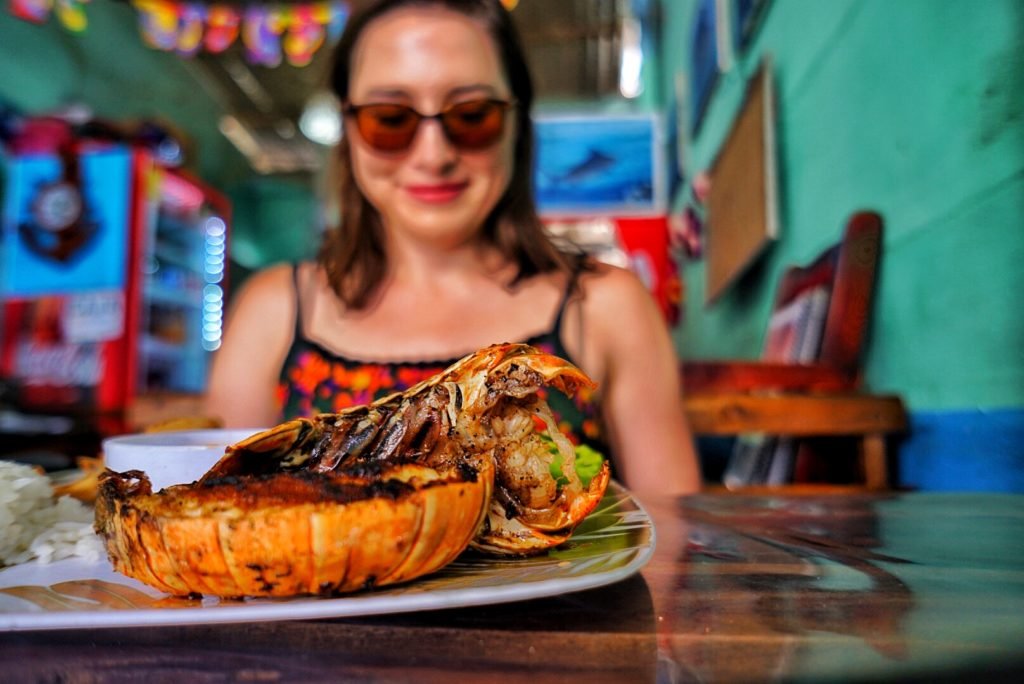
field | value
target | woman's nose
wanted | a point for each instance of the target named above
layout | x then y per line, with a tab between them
431	147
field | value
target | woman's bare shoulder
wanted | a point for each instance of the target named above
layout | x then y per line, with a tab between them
618	310
271	288
271	281
607	287
264	296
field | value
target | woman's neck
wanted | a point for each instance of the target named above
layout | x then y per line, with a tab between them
419	263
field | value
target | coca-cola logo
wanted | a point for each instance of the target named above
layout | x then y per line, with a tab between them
58	364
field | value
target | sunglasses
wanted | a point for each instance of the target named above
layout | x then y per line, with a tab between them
469	125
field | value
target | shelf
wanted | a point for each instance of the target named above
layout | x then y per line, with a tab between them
183	232
160	406
162	294
177	256
159	350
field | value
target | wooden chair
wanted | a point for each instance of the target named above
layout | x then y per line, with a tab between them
809	380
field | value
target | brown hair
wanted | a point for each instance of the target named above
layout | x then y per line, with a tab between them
353	254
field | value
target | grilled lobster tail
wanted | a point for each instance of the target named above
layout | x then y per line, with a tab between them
374	495
291	533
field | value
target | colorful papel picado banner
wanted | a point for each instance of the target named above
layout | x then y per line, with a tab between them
269	32
70	13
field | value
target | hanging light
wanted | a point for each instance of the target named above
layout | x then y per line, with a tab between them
631	59
320	120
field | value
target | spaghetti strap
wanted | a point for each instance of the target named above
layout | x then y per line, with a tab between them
556	326
298	302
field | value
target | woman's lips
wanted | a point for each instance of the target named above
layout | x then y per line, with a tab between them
436	194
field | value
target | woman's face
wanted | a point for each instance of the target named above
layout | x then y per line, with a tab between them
428	59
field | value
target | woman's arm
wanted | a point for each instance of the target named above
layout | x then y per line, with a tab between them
244	373
642	398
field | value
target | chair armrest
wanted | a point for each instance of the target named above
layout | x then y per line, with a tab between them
715	377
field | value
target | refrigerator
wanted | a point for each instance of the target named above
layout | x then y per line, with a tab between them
112	279
639	243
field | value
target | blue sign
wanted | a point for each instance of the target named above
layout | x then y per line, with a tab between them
67	230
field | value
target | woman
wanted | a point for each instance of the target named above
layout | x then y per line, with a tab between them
440	252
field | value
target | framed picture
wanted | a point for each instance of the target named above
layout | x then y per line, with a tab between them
746	17
703	61
742	204
600	165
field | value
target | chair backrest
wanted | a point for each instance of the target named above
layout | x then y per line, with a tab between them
822	310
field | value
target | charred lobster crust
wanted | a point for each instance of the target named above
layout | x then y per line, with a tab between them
370	496
290	533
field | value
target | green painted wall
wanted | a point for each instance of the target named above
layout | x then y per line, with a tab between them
108	68
280	218
914	108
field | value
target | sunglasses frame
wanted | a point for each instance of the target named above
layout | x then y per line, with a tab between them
351	110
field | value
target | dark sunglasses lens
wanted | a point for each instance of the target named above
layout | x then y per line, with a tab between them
387	127
474	125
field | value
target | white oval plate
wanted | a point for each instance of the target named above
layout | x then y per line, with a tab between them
613	543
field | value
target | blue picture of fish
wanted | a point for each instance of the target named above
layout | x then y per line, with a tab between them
599	164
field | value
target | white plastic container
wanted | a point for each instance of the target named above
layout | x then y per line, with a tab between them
170	458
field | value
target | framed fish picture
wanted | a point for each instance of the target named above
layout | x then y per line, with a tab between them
600	164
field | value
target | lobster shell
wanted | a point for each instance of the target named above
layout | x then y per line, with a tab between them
291	533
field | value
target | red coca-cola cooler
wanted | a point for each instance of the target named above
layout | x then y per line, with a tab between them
112	278
639	243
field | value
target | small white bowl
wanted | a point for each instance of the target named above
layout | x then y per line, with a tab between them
170	458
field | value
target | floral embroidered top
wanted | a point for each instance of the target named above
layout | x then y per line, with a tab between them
316	380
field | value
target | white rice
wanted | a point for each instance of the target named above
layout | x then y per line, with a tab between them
34	526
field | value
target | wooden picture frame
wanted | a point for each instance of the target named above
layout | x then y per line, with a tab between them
742	206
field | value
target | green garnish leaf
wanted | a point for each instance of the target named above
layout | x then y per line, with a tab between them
556	470
588	463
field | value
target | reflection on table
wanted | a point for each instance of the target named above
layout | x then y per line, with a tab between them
899	587
867	587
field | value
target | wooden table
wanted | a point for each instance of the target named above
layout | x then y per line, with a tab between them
920	587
